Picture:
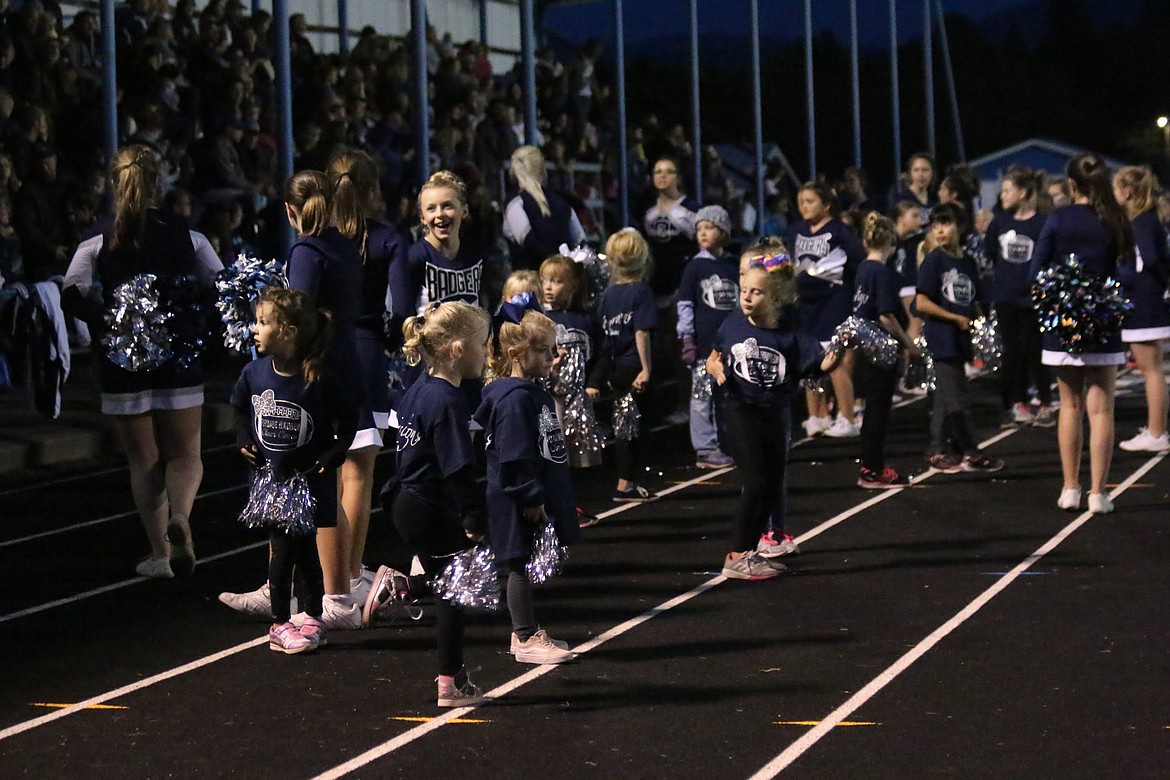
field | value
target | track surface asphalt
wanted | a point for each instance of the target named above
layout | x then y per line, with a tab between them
960	628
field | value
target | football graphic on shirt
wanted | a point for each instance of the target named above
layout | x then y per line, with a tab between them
280	425
719	293
550	440
761	366
1015	247
958	288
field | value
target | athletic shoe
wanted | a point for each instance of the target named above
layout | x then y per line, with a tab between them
515	642
450	695
586	520
1045	417
155	568
256	603
982	462
770	547
634	494
338	613
751	566
815	426
677	417
389	598
313	630
877	480
1145	442
286	639
182	550
1070	499
843	429
1022	414
946	463
714	460
359	588
1100	504
540	648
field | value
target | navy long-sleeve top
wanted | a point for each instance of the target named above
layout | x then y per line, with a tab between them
824	288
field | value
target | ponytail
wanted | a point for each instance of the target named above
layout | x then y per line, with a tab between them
354	176
1088	172
878	232
528	168
311	194
135	175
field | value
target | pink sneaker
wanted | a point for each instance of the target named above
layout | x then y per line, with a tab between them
286	639
314	630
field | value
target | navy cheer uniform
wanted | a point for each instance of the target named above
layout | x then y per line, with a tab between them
671	236
1078	230
532	236
827	260
384	249
429	276
1144	282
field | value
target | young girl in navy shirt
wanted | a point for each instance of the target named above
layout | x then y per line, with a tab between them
296	416
1144	283
527	466
759	357
827	255
628	316
876	299
435	498
708	292
948	301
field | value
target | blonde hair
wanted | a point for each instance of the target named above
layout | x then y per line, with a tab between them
518	336
311	194
354	176
1143	185
878	232
135	174
522	281
447	180
779	283
628	256
294	310
573	274
430	335
528	168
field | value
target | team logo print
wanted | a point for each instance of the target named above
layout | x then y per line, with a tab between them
613	325
447	284
280	425
761	366
958	288
809	249
550	440
1015	248
719	293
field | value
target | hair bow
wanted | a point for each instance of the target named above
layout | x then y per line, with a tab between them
773	262
512	310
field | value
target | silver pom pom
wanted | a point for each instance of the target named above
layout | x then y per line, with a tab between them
470	580
878	346
920	369
239	286
138	338
627	419
702	383
548	556
287	504
578	423
986	342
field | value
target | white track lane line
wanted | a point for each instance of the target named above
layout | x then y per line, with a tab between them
857	700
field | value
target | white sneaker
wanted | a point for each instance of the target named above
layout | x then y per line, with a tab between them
1100	503
843	429
815	426
257	603
515	643
1070	499
359	589
541	649
338	613
1145	442
155	568
771	547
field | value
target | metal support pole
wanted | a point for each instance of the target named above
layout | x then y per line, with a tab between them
696	109
255	6
619	30
418	23
284	133
810	96
528	59
343	27
856	82
483	22
110	77
928	75
896	116
950	73
758	110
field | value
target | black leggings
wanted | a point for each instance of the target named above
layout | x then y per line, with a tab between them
294	554
759	437
436	535
519	590
1020	331
879	395
627	454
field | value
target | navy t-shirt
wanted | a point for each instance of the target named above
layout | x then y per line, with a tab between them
434	441
904	261
876	292
764	365
527	465
624	310
827	261
428	276
711	286
1009	245
952	283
